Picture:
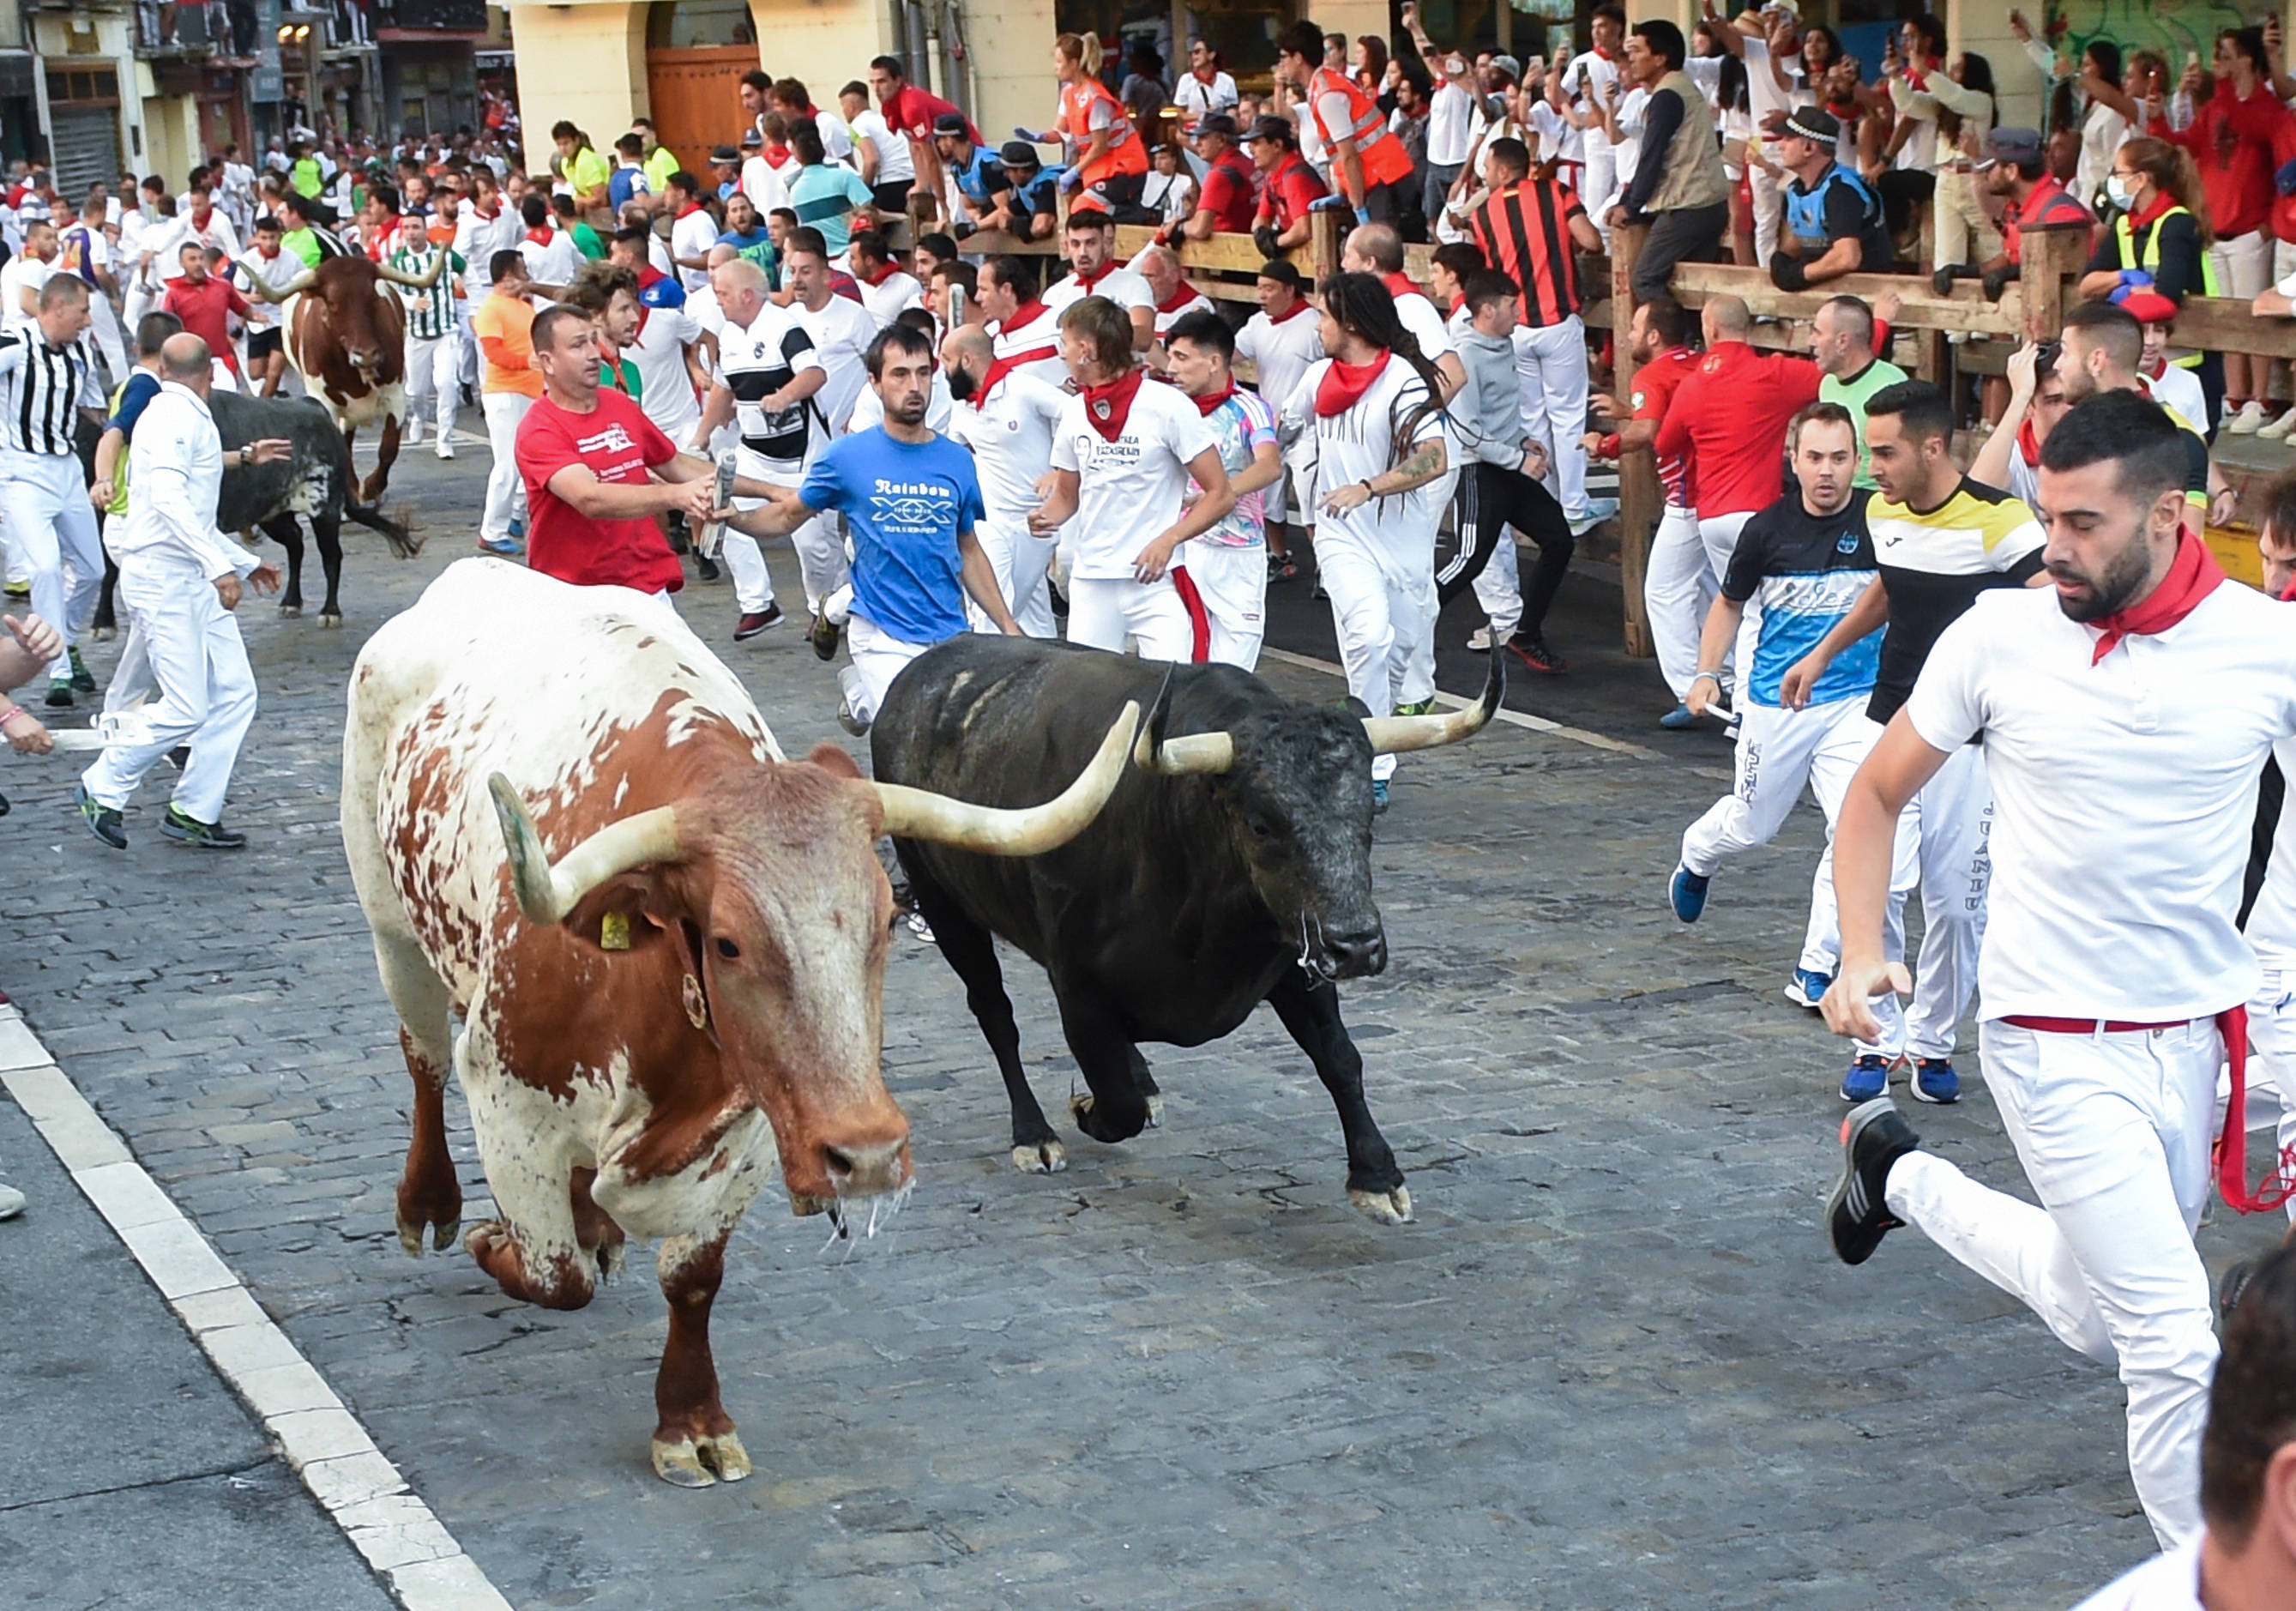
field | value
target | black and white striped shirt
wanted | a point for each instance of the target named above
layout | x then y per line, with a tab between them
41	388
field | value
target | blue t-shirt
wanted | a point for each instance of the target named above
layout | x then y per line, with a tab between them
1798	574
824	195
625	183
904	506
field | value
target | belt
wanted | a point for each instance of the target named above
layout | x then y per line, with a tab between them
2229	1153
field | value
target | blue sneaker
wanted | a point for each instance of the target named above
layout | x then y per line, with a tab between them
1868	1078
1686	892
1677	719
501	545
1807	987
1934	1081
1378	796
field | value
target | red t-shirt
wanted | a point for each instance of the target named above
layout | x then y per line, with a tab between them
618	443
1655	384
2050	202
1291	191
202	308
1228	193
1728	422
913	111
2231	143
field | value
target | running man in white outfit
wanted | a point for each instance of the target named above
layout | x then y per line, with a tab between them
44	385
769	373
1374	410
1006	417
2123	716
1122	455
1229	562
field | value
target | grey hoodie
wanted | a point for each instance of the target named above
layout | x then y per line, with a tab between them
1487	411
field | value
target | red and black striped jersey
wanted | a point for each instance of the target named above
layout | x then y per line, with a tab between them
1525	233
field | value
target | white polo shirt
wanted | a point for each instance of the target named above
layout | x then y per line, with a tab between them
1041	335
1010	435
2166	1582
2124	792
1280	352
1358	444
842	332
1120	286
1130	491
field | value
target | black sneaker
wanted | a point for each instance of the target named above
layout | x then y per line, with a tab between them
2228	1291
822	635
180	756
1534	653
102	820
1059	600
83	680
705	568
60	694
205	835
757	621
1873	1136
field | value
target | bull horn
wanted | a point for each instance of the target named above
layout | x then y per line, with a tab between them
1392	735
547	890
301	282
1179	757
418	282
1030	831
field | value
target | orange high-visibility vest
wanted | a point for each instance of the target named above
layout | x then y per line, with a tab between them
1125	153
1384	159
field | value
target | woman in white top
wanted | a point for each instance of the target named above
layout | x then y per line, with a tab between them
1950	113
2105	124
1170	190
1203	89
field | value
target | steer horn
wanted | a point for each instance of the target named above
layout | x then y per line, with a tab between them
1032	830
301	282
1392	735
419	282
546	889
1177	757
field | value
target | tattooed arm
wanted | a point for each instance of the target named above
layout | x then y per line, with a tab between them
1426	463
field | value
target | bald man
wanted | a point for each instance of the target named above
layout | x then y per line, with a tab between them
1005	416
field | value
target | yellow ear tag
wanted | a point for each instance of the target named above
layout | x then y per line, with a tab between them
614	933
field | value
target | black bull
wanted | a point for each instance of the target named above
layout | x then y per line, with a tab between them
1188	901
316	482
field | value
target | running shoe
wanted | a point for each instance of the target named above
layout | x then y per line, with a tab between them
2246	419
1479	640
1934	1081
706	568
1807	987
1533	653
1677	719
755	621
2236	1277
60	694
18	590
1685	891
501	545
851	723
83	680
12	1201
921	928
102	820
822	635
186	829
445	447
1417	708
1378	796
1868	1078
2279	428
1875	1136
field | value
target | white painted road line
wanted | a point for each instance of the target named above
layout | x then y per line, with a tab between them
1536	724
354	1482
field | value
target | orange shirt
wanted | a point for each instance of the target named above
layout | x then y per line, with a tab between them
504	326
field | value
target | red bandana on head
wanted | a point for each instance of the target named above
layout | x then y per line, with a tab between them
2192	575
1344	385
1107	406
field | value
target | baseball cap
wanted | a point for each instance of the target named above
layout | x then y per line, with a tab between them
1814	123
1270	128
1284	271
1791	8
1214	123
1508	65
1018	153
951	123
724	154
751	140
2017	146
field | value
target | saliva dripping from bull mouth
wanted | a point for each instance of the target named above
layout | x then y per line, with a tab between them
884	1208
1314	957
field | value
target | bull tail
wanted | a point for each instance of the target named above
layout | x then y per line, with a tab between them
404	543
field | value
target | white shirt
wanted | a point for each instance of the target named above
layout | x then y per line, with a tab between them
1195	98
555	263
1281	353
2166	1582
665	388
276	271
2179	389
1585	79
1626	150
842	332
894	163
1119	285
173	482
1424	321
477	239
1763	95
755	363
869	409
1128	491
2123	792
1165	321
1356	445
763	185
890	296
691	236
166	245
1171	197
1041	334
1010	436
836	139
2104	132
1450	119
20	274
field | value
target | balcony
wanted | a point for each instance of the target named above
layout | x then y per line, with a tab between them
431	16
222	30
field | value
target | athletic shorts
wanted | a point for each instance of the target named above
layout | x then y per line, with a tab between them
2243	265
262	343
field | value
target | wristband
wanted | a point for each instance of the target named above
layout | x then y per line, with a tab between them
12	710
1713	677
1369	490
1608	448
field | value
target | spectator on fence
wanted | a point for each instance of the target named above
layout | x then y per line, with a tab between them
1678	187
978	184
1452	103
1226	204
1833	223
1108	159
2159	242
1289	188
2231	141
1369	166
1952	112
1030	207
2032	197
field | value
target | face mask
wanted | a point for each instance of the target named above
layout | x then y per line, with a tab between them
2117	192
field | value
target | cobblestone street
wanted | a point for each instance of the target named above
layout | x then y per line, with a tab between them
1611	1364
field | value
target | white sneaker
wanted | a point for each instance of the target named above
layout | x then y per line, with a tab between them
1479	640
445	448
12	1202
2248	421
2281	423
410	433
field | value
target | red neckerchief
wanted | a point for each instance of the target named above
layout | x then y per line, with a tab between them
1299	306
2144	215
1087	281
998	369
689	209
1106	406
2028	445
1606	55
1401	285
777	156
1916	78
1181	295
200	223
483	216
872	281
1206	76
2192	575
1344	385
540	237
1845	113
1024	315
2155	370
1213	399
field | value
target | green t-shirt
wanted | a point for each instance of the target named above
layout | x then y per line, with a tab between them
586	241
306	176
1853	395
304	243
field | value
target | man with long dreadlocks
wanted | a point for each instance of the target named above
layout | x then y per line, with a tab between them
1374	408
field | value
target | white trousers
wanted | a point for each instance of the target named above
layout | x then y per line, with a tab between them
1956	813
1382	602
1598	178
51	537
1158	617
505	487
207	688
1233	584
1550	366
1778	752
1419	664
878	658
1767	203
1679	587
2113	1131
1021	560
434	372
820	558
1718	536
104	326
2271	1041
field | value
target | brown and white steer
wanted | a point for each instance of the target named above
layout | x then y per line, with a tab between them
567	824
346	335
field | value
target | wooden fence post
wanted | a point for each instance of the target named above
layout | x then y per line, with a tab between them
1639	498
2051	261
1327	232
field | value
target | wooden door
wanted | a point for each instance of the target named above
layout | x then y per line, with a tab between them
696	101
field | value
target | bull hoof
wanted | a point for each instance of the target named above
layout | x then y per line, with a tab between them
1156	1113
331	617
1388	1207
610	1258
289	610
104	635
1047	1157
442	1235
698	1462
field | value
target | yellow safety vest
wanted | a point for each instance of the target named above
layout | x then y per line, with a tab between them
2126	237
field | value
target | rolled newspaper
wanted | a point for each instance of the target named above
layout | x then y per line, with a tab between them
714	533
128	727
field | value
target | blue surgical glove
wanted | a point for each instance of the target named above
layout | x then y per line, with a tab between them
2132	281
2285	180
1363	214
